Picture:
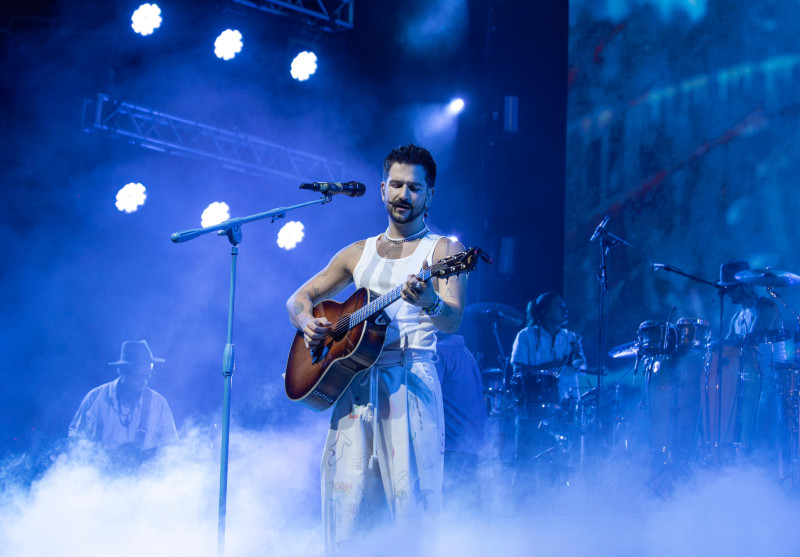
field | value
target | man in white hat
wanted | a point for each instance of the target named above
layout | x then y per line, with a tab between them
126	417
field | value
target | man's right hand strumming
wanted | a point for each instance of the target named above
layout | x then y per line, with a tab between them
314	331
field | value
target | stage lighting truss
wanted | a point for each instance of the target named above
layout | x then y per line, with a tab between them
328	15
236	151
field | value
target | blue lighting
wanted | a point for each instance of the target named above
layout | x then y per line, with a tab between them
146	19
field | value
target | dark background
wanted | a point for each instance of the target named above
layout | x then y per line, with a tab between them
79	277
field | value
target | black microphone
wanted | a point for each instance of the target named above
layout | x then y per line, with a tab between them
353	189
600	228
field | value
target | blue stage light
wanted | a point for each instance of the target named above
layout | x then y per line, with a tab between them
290	234
146	19
228	44
215	213
304	65
455	106
130	197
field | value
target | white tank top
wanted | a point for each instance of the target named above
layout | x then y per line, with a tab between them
410	327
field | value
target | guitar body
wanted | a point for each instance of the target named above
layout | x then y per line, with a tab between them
317	380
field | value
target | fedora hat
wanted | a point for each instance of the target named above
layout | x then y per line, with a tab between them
728	270
135	352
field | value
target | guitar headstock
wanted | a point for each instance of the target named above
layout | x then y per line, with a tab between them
462	262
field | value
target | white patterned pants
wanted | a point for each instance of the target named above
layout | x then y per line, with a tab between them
406	445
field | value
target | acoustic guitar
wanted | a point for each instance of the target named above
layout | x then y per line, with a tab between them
317	378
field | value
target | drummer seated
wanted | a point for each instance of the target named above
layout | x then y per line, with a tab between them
546	346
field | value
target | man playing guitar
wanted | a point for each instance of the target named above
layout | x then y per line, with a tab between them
384	451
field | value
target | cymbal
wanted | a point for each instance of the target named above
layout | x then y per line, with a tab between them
769	336
627	350
500	313
767	277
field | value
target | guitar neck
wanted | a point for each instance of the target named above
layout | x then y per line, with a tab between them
384	301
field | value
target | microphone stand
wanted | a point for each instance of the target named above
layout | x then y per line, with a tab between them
607	241
717	418
232	228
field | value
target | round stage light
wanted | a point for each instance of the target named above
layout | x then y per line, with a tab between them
455	106
146	19
228	44
290	234
304	65
215	213
130	197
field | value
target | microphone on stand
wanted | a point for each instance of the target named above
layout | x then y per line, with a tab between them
353	189
600	228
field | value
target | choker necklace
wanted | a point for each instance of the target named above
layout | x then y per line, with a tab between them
411	238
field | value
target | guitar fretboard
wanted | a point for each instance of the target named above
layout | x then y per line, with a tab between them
378	304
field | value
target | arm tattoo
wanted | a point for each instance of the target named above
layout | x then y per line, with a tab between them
360	244
315	290
299	308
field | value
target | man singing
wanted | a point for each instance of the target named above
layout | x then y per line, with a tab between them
384	451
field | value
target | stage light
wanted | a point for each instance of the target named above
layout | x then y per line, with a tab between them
146	19
455	106
130	197
228	44
304	65
290	234
215	213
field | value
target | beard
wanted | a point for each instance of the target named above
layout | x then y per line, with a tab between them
412	214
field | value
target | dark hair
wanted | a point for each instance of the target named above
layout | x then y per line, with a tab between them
412	154
537	307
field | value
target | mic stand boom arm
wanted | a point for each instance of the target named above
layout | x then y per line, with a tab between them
232	228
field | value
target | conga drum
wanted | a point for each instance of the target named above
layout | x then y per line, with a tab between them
673	401
729	395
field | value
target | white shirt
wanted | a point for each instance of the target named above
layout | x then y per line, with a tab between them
534	345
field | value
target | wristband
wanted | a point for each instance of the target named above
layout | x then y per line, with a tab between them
435	309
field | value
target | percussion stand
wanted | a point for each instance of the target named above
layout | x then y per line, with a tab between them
232	229
790	424
607	241
721	291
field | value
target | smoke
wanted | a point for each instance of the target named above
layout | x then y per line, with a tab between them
169	507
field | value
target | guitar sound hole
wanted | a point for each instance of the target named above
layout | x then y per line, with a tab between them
341	328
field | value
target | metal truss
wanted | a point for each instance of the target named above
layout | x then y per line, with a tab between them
328	15
237	151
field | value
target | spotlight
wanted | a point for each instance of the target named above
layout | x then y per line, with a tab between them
455	106
228	44
304	65
215	213
290	234
146	19
130	197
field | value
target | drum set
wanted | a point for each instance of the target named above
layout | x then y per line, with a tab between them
705	402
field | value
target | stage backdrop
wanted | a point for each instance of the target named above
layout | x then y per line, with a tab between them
682	126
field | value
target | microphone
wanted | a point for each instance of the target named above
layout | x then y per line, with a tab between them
659	266
353	189
600	228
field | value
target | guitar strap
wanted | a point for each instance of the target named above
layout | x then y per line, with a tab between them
144	416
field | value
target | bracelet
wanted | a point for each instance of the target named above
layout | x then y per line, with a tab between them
435	309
